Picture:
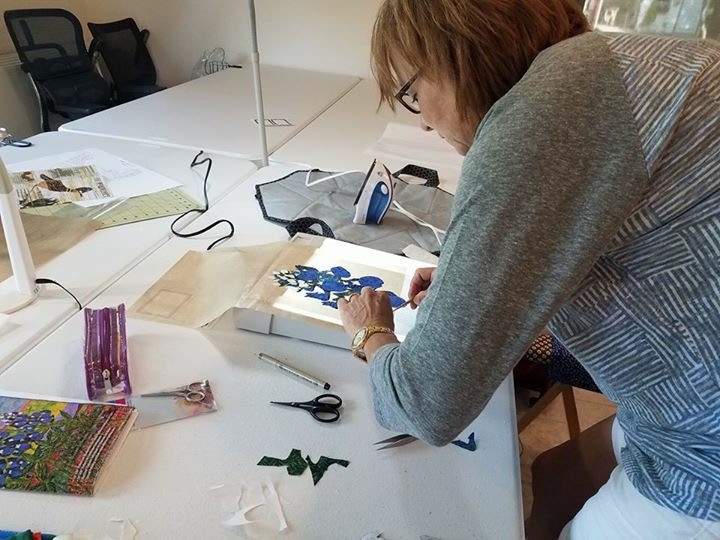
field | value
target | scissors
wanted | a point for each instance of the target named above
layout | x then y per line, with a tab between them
324	408
394	442
192	393
8	140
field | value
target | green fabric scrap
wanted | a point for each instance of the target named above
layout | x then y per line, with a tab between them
296	465
320	468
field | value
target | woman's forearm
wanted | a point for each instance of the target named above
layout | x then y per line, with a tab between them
377	341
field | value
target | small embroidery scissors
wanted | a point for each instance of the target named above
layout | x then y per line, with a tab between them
8	140
324	408
192	393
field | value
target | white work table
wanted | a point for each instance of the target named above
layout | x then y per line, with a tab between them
98	260
338	139
217	113
161	478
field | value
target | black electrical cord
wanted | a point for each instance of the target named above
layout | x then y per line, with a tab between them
18	143
195	163
45	281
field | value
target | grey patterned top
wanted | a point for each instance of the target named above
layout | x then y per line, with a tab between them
589	202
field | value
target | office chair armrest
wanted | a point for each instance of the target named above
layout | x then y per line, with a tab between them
95	47
78	112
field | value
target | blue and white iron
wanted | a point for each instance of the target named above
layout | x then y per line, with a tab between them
375	196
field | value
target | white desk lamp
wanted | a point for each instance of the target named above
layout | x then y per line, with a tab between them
26	290
255	56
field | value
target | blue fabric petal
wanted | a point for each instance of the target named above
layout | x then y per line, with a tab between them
307	273
333	285
470	445
332	304
370	281
341	272
319	295
395	300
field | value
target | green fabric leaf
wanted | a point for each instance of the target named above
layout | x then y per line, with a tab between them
320	468
295	463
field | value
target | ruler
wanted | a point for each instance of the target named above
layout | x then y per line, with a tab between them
169	202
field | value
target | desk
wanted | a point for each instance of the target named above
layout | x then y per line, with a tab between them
161	478
217	113
337	140
102	257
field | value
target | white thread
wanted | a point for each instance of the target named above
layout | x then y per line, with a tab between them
435	230
308	183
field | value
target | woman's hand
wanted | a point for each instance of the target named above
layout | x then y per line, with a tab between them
420	284
370	307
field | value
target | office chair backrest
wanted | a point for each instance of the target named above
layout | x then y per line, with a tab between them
123	47
49	42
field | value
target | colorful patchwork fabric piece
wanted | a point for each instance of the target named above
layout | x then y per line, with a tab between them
470	445
56	447
329	286
296	465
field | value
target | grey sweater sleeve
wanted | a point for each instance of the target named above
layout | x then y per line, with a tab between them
555	169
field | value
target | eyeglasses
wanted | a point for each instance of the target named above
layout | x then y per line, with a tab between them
409	101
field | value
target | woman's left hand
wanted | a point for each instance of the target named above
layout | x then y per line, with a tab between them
367	308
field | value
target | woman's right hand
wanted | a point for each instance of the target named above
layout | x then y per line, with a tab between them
420	284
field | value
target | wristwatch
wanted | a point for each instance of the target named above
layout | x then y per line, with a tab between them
362	336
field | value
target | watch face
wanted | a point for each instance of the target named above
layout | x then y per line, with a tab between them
359	337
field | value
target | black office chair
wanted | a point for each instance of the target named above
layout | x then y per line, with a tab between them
123	47
51	48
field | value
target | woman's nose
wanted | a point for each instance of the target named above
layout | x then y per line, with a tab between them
424	126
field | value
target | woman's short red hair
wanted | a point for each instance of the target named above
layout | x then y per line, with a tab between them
482	47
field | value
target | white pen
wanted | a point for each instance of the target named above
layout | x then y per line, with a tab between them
293	371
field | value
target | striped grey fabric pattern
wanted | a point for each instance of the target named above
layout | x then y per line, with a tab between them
646	321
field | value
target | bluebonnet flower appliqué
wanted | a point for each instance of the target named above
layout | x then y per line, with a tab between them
329	286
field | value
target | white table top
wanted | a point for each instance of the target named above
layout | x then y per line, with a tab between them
161	478
217	113
338	139
105	255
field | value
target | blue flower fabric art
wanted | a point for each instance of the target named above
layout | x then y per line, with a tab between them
20	433
329	286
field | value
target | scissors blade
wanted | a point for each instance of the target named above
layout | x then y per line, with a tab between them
396	441
285	403
161	394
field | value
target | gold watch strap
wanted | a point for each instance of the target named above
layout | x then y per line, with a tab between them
370	331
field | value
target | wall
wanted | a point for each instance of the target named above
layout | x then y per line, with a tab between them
326	35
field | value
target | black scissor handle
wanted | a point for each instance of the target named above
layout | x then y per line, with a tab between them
327	400
325	414
12	141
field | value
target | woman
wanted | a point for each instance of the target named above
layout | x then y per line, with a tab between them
588	202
